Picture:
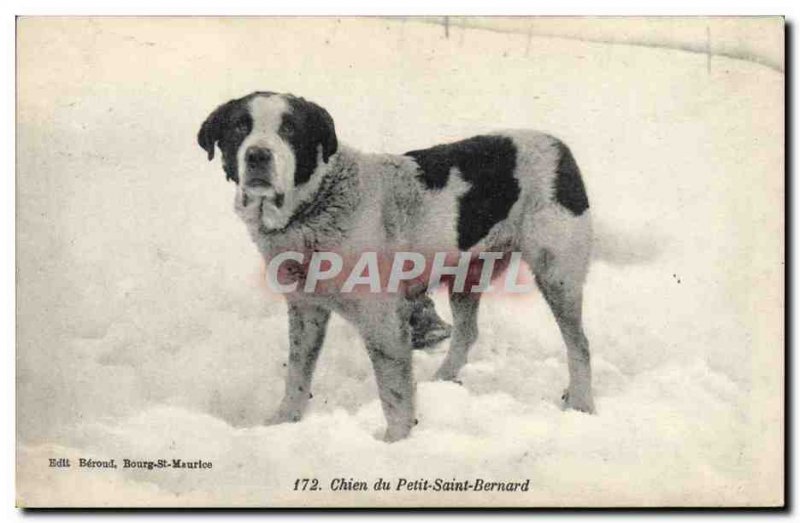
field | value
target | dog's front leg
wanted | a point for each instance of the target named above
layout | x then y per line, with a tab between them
394	376
386	334
307	325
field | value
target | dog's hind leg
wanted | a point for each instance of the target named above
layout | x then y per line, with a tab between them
558	253
465	332
307	325
565	299
427	328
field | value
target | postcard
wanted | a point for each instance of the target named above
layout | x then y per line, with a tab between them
400	262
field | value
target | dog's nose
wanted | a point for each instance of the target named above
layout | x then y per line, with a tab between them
258	157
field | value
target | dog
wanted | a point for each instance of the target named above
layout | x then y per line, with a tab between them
298	188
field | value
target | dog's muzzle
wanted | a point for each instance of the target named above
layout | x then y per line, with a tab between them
259	168
258	158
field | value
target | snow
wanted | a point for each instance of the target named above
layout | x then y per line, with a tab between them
145	329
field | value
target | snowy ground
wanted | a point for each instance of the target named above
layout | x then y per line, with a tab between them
144	330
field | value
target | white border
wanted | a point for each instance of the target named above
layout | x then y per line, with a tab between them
314	7
407	7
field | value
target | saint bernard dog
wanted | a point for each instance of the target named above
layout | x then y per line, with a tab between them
299	189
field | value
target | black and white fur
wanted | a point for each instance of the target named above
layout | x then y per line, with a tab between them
299	189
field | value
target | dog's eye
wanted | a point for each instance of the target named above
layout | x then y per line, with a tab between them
288	128
241	127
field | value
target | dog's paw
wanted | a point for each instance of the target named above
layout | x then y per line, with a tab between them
429	338
283	417
447	374
396	434
579	402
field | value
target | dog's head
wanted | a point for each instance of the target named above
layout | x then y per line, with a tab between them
273	146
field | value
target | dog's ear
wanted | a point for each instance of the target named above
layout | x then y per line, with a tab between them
322	129
212	129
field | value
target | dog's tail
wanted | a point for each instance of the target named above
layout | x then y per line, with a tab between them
623	244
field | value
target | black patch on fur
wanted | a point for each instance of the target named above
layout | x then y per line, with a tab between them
570	192
487	163
306	127
227	126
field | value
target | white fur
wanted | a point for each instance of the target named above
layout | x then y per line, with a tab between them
267	113
438	228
